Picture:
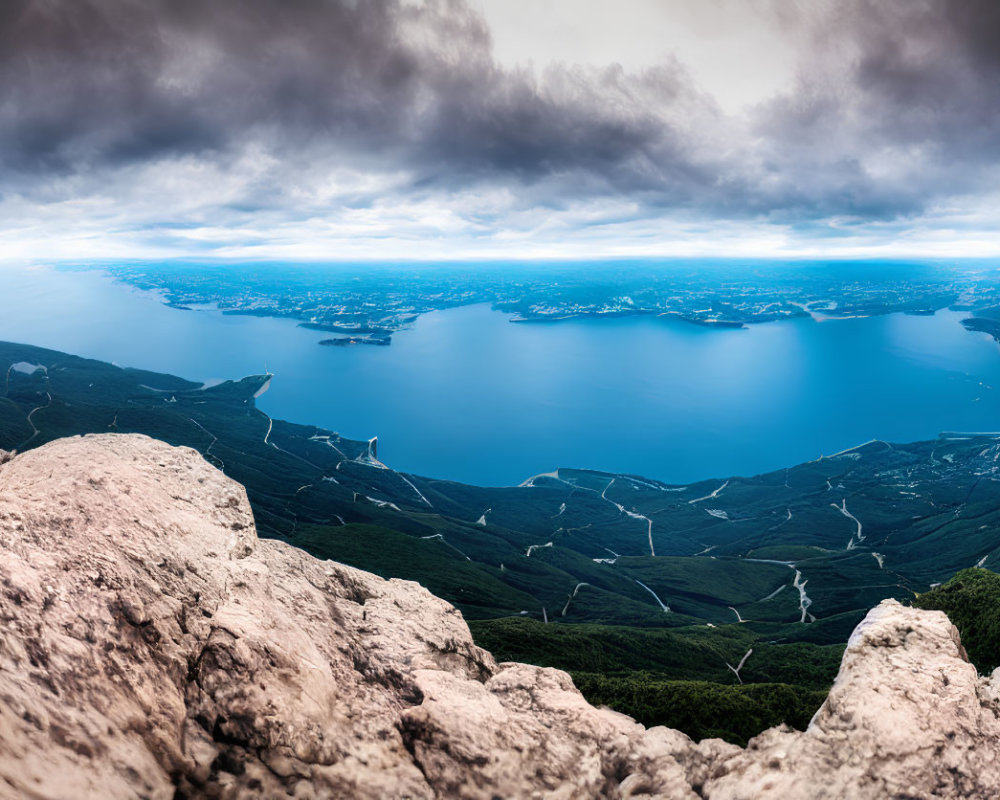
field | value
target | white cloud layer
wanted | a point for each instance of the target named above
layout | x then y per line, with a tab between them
328	129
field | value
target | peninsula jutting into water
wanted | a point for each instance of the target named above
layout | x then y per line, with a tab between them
462	394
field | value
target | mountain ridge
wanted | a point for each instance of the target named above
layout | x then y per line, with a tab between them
155	647
783	564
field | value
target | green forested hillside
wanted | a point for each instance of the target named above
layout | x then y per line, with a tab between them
608	576
971	600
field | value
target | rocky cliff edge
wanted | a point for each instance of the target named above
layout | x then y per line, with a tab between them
151	646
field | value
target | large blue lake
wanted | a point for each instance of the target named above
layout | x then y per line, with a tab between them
466	395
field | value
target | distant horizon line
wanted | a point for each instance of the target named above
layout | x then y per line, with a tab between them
509	260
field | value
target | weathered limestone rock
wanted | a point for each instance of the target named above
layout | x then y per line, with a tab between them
152	646
903	719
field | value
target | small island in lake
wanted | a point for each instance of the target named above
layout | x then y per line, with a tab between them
381	339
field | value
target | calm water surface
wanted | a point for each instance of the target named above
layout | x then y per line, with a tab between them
466	395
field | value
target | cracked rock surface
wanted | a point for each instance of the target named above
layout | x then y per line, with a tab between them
151	646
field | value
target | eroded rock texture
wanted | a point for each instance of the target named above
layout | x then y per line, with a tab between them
152	646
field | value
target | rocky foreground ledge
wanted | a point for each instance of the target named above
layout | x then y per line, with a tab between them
151	646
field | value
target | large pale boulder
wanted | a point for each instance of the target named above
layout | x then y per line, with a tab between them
907	717
151	646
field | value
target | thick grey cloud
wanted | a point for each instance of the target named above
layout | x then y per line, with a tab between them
90	82
895	108
86	81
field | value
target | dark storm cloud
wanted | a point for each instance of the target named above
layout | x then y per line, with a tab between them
896	104
91	80
86	83
929	71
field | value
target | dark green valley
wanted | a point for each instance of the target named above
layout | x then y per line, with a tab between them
720	608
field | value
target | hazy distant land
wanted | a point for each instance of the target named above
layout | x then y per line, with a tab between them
386	298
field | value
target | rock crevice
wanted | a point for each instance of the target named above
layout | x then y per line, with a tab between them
153	647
